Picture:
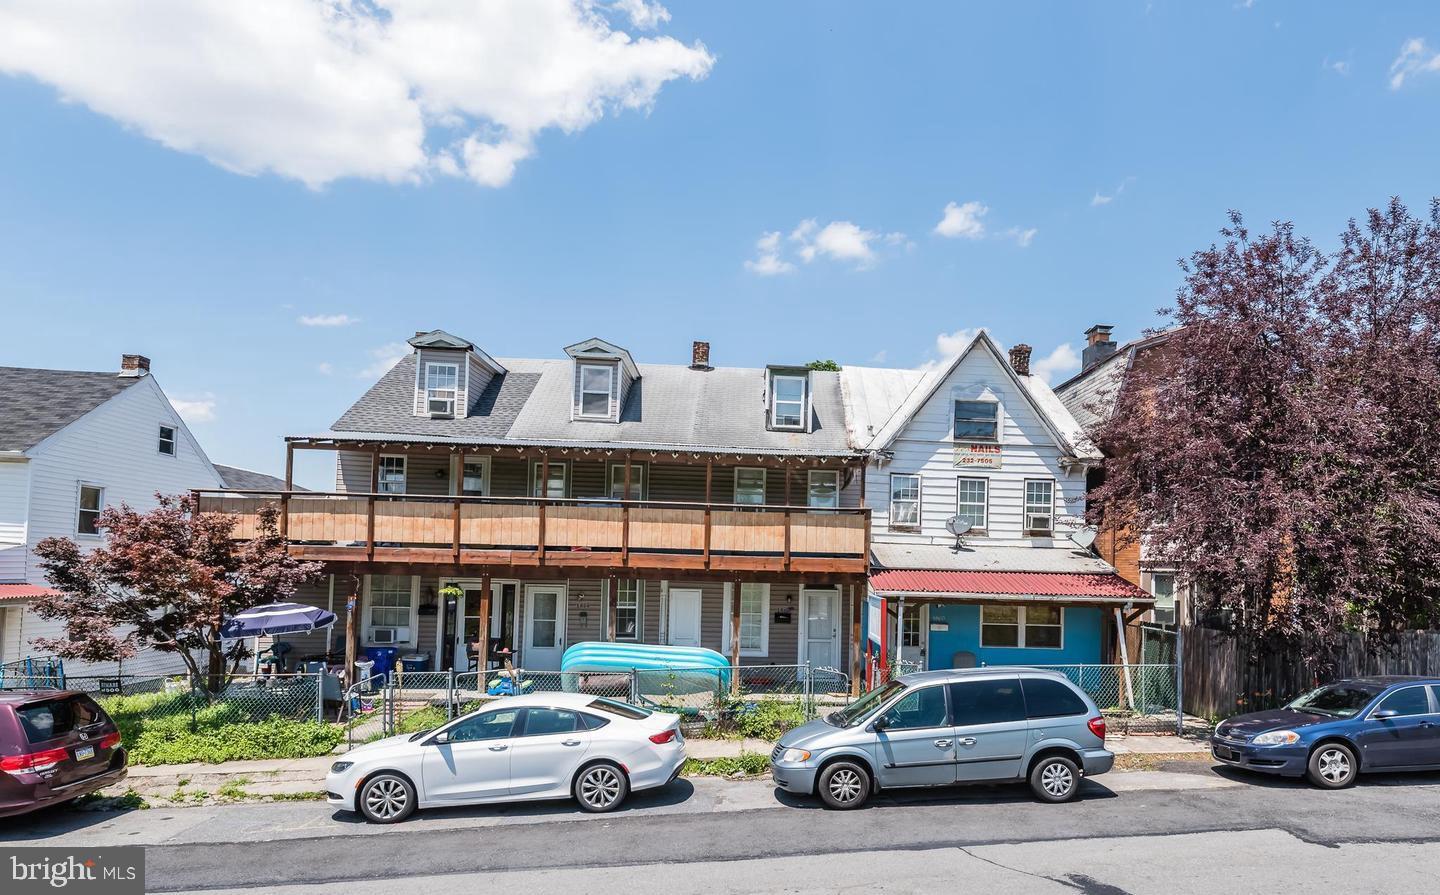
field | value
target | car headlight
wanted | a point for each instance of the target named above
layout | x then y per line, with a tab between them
341	767
1276	738
795	755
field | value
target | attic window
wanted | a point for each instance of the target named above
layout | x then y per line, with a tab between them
596	381
977	421
167	440
441	384
787	404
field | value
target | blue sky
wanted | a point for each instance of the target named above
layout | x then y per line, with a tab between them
1119	133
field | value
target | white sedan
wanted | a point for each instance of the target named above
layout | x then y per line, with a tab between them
540	746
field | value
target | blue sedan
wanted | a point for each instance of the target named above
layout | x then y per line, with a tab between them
1332	734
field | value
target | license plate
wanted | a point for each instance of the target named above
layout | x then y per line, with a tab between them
84	753
1226	754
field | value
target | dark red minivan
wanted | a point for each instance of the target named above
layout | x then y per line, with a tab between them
55	745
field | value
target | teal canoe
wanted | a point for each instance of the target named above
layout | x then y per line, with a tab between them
672	669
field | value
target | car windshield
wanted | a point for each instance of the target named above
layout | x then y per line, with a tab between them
862	707
1335	700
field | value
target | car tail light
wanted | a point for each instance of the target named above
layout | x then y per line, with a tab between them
33	763
1097	726
110	740
664	736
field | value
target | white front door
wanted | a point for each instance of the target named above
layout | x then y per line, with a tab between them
820	634
684	619
544	627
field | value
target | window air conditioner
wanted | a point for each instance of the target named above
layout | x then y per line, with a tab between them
1037	522
389	635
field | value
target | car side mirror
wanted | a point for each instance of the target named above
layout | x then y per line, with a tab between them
441	738
879	724
1384	714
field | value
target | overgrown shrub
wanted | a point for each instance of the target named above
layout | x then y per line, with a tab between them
157	728
768	719
747	764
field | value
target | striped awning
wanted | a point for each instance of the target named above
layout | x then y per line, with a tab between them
1052	586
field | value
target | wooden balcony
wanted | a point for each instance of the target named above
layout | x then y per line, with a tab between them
559	533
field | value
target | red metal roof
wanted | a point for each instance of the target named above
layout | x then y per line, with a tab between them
23	591
1055	584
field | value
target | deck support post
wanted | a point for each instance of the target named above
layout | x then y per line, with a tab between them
352	609
612	603
735	638
857	610
482	640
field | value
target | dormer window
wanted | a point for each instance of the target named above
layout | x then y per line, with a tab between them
596	384
442	382
977	421
788	400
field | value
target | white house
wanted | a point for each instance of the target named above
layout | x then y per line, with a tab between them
72	443
982	442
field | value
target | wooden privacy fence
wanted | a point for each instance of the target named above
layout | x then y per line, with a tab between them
1224	676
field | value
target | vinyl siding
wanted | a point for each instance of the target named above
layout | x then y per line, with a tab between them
926	447
465	364
14	511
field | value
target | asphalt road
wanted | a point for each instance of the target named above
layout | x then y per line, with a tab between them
1130	832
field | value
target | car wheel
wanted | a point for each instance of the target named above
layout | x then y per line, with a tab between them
601	787
1332	766
386	799
844	785
1055	778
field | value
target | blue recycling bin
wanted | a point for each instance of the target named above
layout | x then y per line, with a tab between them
383	657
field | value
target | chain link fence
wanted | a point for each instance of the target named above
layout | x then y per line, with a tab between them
244	698
1133	698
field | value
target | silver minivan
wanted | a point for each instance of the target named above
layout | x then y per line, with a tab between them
939	728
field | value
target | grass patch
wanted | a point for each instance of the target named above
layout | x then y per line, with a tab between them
233	789
746	764
130	800
177	728
310	796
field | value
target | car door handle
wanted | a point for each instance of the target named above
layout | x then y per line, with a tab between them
498	748
967	741
570	743
942	744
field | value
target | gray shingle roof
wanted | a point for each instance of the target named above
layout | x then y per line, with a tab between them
389	406
249	480
35	404
669	406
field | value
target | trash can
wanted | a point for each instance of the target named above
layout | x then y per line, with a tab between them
363	669
415	662
383	657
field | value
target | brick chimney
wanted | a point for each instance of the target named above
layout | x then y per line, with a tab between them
1020	359
1098	345
134	365
700	356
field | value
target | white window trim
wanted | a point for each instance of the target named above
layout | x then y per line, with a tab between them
999	418
639	611
1147	579
810	480
804	401
535	478
581	391
404	470
174	439
484	462
985	507
764	649
79	487
919	502
764	485
639	475
1025	508
413	624
1020	620
429	389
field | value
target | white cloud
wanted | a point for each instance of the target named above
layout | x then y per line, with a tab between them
1058	364
643	15
316	90
383	358
843	241
324	368
1340	66
327	320
1023	236
949	345
1415	58
879	356
198	410
767	261
962	221
1102	199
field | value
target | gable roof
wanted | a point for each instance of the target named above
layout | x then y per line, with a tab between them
600	349
389	407
1090	395
239	479
870	392
439	338
35	404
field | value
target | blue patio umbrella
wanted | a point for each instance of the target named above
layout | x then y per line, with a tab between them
275	618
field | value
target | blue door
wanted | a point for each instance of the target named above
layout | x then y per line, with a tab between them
1401	731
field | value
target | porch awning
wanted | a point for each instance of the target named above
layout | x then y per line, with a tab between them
23	591
1068	587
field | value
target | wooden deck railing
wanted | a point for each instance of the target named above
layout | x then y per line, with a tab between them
555	532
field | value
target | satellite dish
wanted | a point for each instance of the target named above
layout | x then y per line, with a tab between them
957	526
1085	536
